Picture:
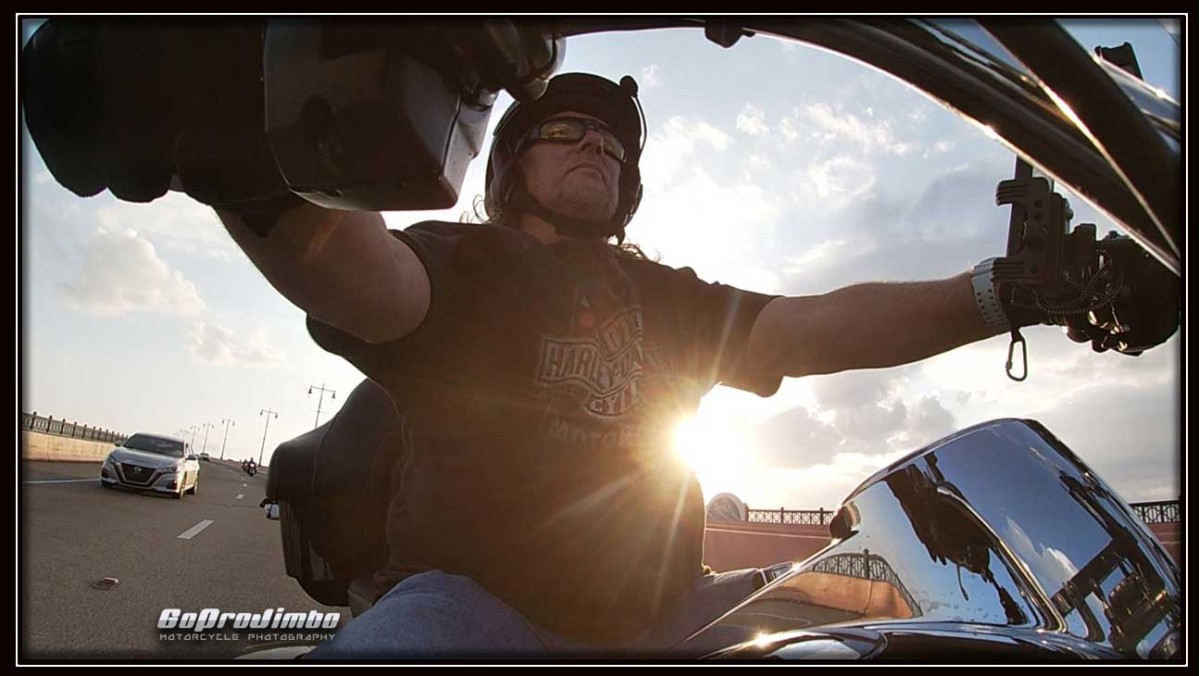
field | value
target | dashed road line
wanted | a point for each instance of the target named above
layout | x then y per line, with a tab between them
194	530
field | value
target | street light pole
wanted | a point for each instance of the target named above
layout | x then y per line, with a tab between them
227	422
207	426
321	397
193	428
266	427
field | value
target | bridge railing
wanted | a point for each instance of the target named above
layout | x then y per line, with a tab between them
800	517
1163	511
61	428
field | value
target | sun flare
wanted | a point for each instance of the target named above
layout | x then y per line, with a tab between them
710	445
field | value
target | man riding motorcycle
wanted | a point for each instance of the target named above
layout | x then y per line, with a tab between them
540	368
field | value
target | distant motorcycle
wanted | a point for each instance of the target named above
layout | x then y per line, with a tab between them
250	468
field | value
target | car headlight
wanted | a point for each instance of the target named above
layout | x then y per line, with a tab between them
112	463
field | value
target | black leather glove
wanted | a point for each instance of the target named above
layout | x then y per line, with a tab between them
1127	301
140	106
1145	307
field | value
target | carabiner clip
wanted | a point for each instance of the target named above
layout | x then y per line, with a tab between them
1008	365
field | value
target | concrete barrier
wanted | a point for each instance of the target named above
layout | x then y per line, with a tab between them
1169	535
39	446
735	545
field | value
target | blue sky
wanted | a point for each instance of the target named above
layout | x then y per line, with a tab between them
772	165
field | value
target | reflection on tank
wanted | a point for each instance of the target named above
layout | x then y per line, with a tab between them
844	586
998	525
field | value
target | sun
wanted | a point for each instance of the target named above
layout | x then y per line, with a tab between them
711	445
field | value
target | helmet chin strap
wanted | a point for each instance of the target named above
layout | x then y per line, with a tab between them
566	225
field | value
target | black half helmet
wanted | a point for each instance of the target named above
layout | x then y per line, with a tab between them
614	104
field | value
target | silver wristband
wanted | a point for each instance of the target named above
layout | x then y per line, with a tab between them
985	297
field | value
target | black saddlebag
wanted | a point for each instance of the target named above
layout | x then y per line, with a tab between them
332	486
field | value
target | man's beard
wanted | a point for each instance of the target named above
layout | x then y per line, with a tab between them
579	197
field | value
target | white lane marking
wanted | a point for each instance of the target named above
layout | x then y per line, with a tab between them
57	481
194	530
239	497
243	485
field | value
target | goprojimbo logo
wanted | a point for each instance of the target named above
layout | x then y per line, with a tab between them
174	619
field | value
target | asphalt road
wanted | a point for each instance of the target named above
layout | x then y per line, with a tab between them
74	533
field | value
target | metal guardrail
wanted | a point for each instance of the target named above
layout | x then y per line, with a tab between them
801	517
1164	511
73	430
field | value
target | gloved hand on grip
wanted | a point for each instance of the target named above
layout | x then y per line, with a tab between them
1121	299
1145	309
142	106
97	106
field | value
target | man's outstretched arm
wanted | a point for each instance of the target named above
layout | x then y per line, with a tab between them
342	267
870	325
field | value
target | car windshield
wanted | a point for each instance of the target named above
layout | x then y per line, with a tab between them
145	442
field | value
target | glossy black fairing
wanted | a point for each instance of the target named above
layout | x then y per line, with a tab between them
997	531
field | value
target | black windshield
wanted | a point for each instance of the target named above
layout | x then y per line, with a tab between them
144	442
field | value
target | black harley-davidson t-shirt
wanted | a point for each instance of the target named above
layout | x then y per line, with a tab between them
540	394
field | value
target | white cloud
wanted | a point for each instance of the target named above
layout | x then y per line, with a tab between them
938	148
650	76
830	124
173	222
757	162
841	179
121	273
750	120
719	230
815	258
1047	558
789	128
755	166
928	420
668	150
822	485
856	415
221	346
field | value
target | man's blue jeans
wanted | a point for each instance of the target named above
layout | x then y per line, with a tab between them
434	615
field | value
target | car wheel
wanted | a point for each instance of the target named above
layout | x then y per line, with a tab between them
178	495
194	485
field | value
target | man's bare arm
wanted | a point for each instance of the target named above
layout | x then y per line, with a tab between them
871	325
341	267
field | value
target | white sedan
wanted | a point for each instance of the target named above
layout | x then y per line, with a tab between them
152	462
